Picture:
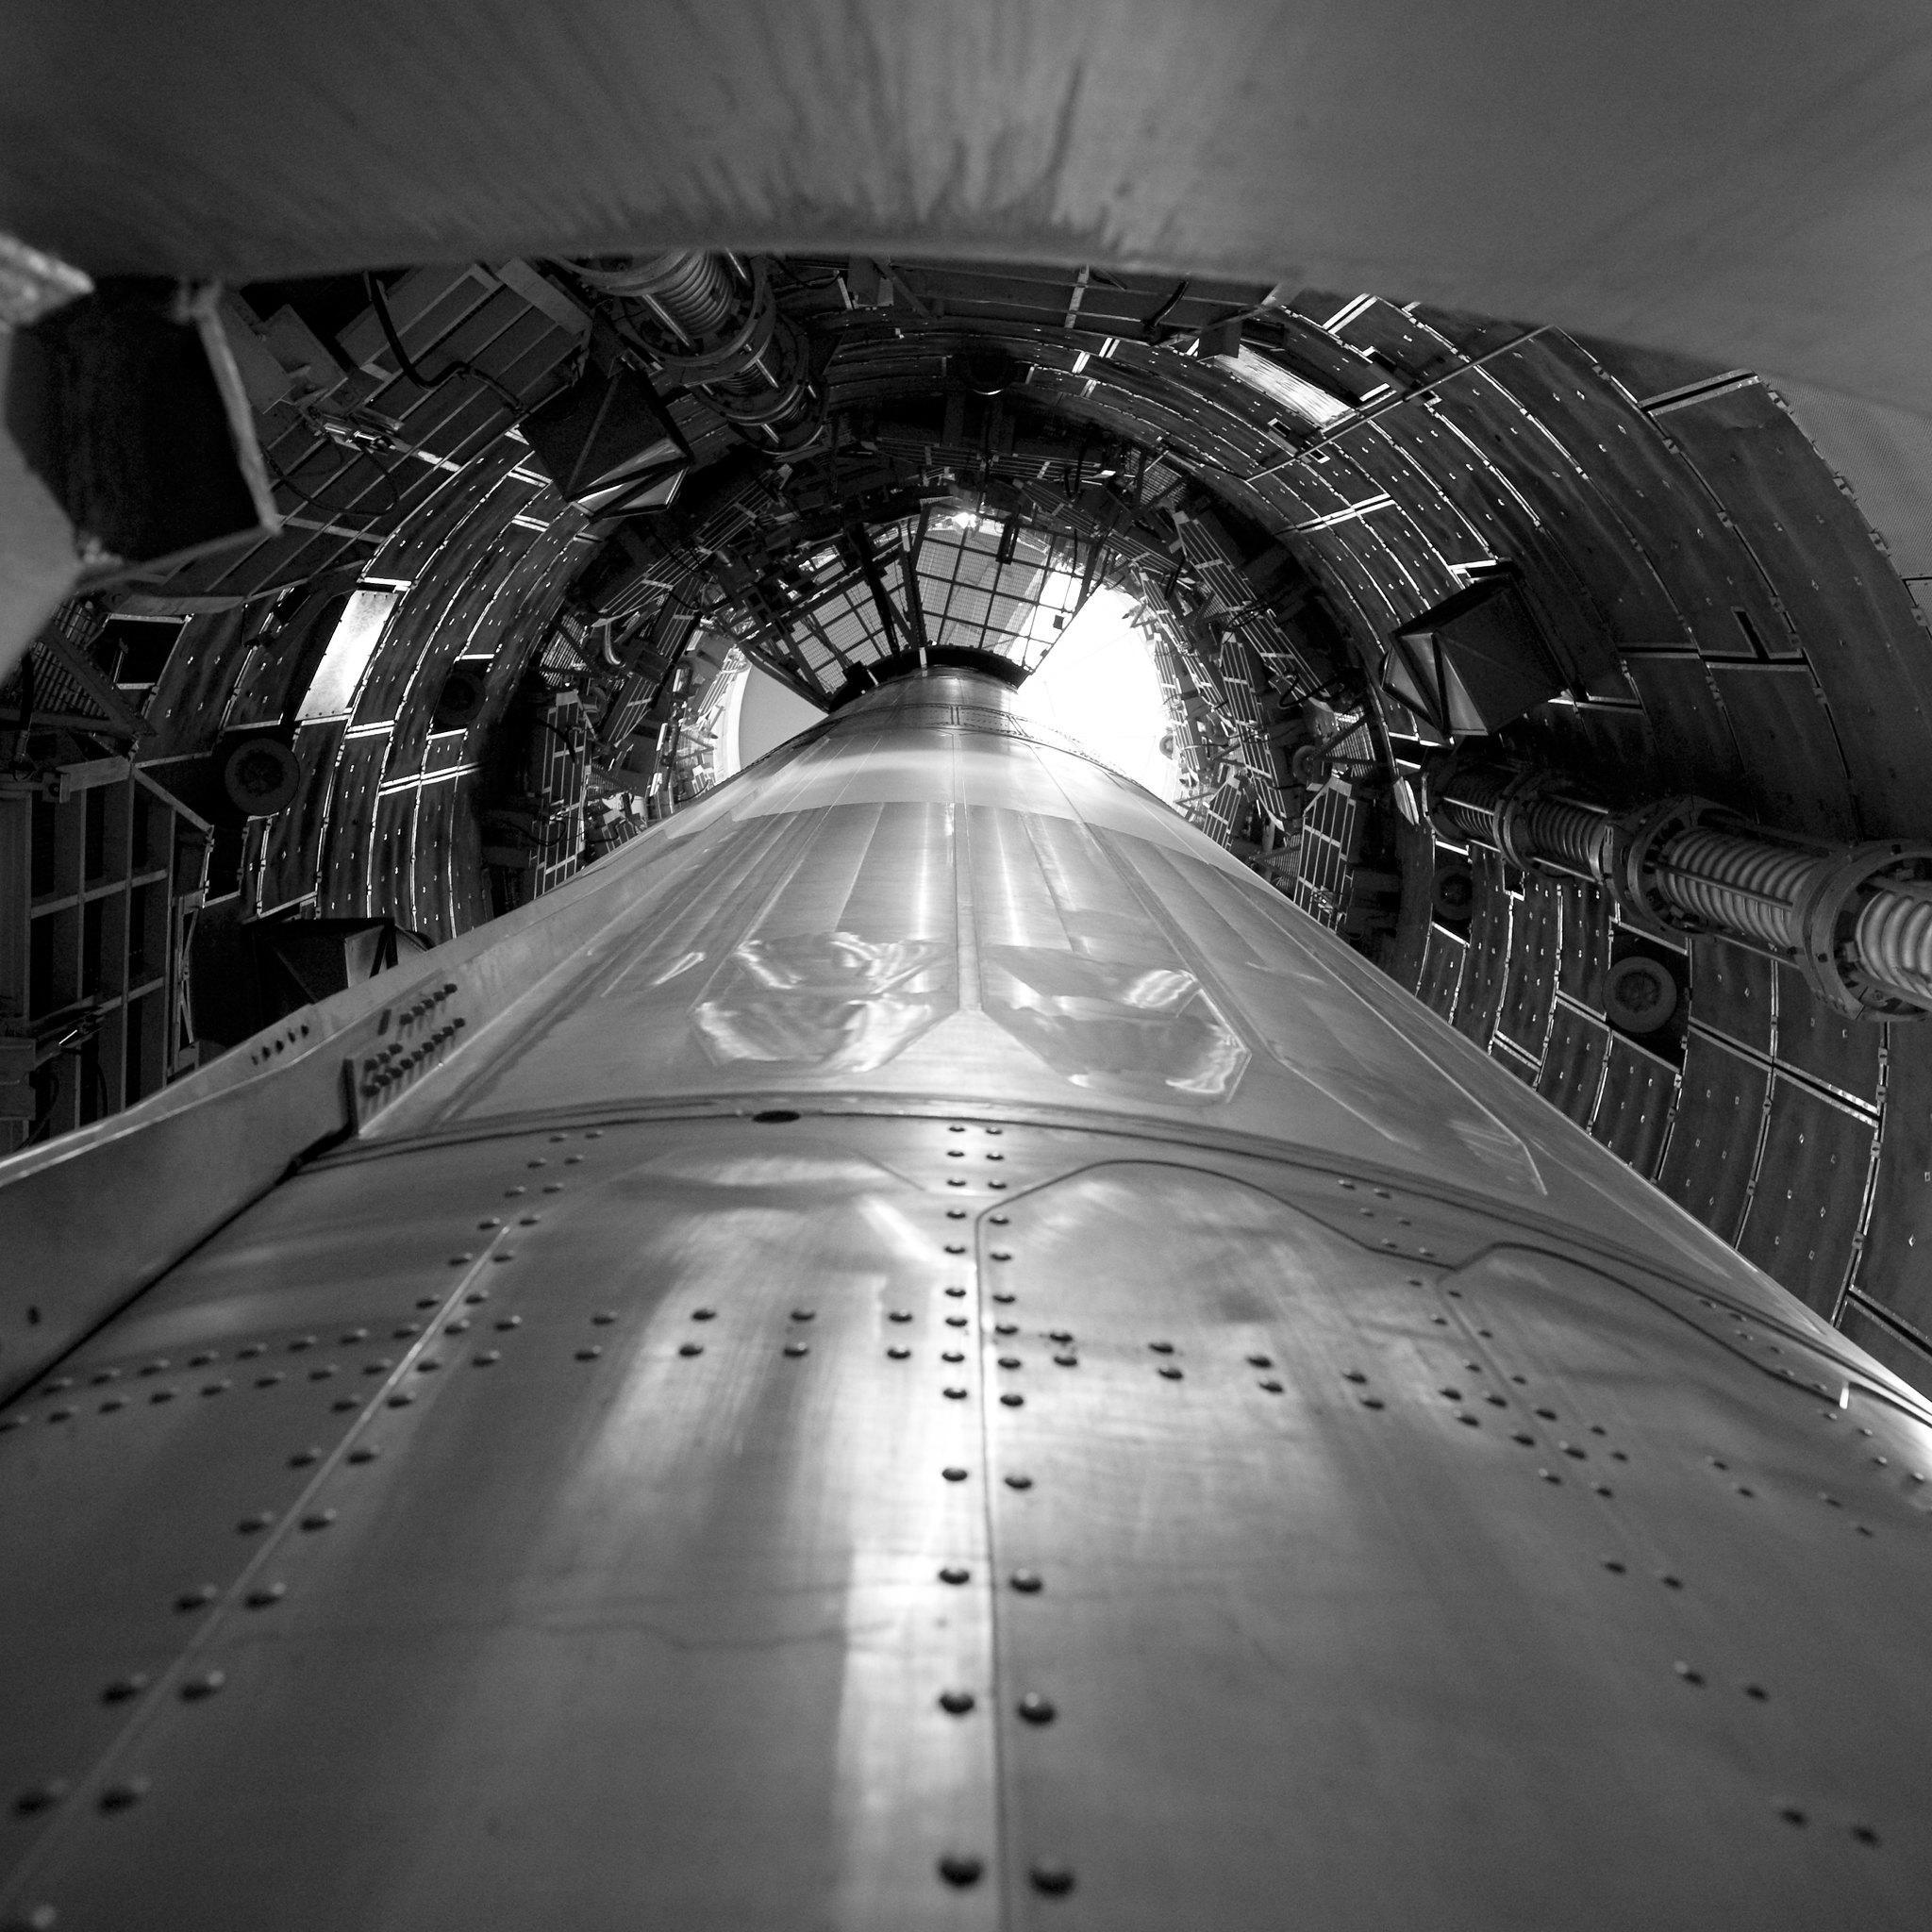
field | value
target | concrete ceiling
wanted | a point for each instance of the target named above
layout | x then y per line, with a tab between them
1721	179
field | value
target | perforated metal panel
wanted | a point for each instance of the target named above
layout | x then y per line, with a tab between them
1810	1193
1572	1068
1714	1150
1443	959
1530	986
1634	1110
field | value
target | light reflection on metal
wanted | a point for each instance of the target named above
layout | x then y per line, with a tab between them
1015	1463
1856	920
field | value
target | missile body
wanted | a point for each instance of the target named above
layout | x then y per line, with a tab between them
930	1353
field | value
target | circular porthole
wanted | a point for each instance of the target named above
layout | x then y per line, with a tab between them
1639	995
261	775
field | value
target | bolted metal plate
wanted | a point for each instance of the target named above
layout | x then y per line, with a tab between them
1572	1068
1810	1194
1634	1110
1714	1150
1530	983
932	1366
1399	1526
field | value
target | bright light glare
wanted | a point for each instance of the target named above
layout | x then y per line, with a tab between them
1099	685
755	717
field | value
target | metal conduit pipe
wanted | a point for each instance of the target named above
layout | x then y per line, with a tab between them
1854	920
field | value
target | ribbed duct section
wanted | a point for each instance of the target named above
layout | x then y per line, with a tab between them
1894	935
713	326
691	291
1856	920
1741	886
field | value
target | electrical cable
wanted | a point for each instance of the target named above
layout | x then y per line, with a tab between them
456	366
330	510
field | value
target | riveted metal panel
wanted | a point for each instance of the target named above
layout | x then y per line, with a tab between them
291	852
1703	575
1798	779
1895	1263
1531	982
1645	373
498	1491
1572	1068
1136	1770
1392	335
393	850
1503	477
684	1463
1810	1191
1905	1352
1415	848
1713	1150
469	900
210	657
1633	1112
1692	746
1585	941
438	808
1731	991
1586	430
346	883
1444	961
1490	920
1846	603
1846	1054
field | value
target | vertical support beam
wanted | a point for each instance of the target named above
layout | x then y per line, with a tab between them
909	577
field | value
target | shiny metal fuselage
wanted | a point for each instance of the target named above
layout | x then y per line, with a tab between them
933	1353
